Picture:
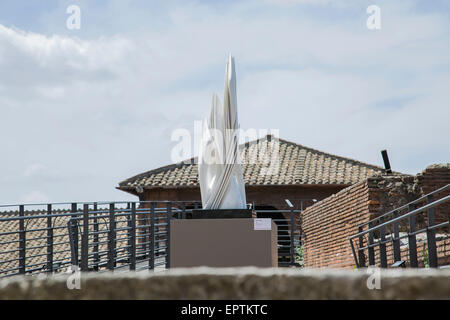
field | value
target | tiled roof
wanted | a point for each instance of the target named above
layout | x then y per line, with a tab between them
298	165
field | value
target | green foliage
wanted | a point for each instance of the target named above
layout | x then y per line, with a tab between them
425	256
299	256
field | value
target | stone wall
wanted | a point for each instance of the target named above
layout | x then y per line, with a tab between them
235	284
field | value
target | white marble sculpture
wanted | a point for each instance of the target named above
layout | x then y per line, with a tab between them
219	169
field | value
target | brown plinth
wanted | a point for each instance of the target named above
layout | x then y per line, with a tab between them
221	243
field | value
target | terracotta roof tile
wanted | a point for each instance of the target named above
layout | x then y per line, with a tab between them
298	165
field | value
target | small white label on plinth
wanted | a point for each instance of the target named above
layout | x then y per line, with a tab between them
262	224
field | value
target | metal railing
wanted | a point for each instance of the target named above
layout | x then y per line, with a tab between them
95	236
386	230
104	236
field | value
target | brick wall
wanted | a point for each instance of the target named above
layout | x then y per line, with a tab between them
328	224
432	178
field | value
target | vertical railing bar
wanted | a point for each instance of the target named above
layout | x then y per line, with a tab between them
361	257
49	239
132	236
85	239
22	240
96	238
74	227
412	239
73	258
371	250
183	214
431	236
111	238
149	233
292	227
169	217
354	253
396	240
152	236
144	231
383	257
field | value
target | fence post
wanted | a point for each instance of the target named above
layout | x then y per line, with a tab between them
292	227
111	238
22	240
383	258
49	239
96	238
371	250
74	229
132	236
431	236
85	239
169	217
361	257
412	239
396	240
152	244
144	221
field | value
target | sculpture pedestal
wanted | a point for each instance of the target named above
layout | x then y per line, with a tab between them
223	243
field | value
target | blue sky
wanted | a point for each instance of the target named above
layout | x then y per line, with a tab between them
81	110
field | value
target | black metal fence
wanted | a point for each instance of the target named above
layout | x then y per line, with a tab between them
401	227
105	236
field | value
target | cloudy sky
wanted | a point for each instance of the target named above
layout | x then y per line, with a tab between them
81	110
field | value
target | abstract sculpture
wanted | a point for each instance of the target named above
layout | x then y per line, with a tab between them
219	169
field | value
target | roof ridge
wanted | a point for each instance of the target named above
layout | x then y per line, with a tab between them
158	170
332	155
189	161
243	146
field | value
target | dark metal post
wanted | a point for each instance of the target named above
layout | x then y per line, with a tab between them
85	239
412	239
74	228
361	257
96	238
132	236
387	165
383	257
49	239
73	254
183	214
22	240
144	231
292	248
149	229
354	253
169	217
371	250
396	240
151	261
111	238
431	236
